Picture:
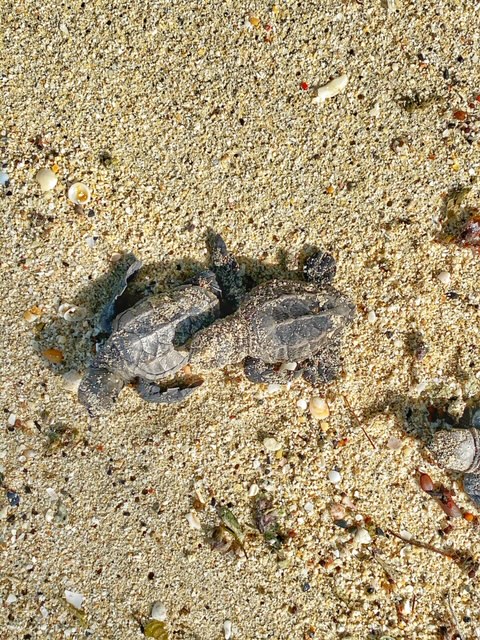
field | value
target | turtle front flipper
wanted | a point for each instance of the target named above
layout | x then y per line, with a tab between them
320	268
471	484
260	372
99	390
152	392
228	272
324	366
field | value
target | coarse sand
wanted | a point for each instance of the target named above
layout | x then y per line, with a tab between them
185	115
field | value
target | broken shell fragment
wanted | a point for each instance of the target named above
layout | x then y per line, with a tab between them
79	193
53	355
71	313
331	89
46	179
319	408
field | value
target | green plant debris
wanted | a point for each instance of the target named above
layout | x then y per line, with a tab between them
155	629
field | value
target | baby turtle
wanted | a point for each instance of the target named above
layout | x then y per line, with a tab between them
459	450
147	340
278	322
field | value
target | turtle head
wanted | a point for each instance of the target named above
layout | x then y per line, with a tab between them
217	346
99	390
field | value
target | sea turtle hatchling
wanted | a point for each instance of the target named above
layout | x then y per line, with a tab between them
147	340
458	449
281	321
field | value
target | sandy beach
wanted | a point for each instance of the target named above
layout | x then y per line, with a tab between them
184	116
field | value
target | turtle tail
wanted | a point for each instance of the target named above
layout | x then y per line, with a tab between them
99	390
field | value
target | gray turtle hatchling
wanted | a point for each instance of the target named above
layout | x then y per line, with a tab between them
278	322
459	450
147	340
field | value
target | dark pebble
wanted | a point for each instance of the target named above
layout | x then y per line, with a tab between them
13	498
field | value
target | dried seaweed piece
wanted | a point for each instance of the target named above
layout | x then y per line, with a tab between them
232	524
266	520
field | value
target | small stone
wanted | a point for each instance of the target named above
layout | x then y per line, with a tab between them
362	536
46	179
194	521
11	598
12	418
116	257
372	317
52	494
444	277
32	314
73	598
308	506
302	404
253	490
13	498
272	445
274	388
4	179
79	193
319	408
227	630
334	476
288	366
394	443
337	511
71	381
53	355
159	611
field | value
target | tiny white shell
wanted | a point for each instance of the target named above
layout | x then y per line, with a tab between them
271	444
46	179
159	611
331	89
75	599
227	630
71	313
194	521
362	536
79	193
319	408
444	277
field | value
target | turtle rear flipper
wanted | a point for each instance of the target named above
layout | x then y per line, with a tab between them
471	484
152	392
99	390
229	273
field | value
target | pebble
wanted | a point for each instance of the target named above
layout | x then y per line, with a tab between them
159	611
194	521
46	179
334	476
271	444
319	408
253	490
444	277
394	443
309	508
71	381
73	598
4	179
362	536
79	193
227	629
288	366
274	388
302	404
12	418
331	89
11	598
372	317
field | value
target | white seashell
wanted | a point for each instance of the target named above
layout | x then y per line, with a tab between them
71	313
288	366
11	598
302	404
254	489
362	536
334	477
227	629
319	408
272	445
194	521
274	387
331	89
79	193
372	317
46	179
71	381
159	611
444	277
4	179
75	599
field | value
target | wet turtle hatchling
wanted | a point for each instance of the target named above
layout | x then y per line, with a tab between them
281	321
147	340
458	449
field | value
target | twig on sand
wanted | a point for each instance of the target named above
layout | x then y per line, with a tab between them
355	417
454	617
